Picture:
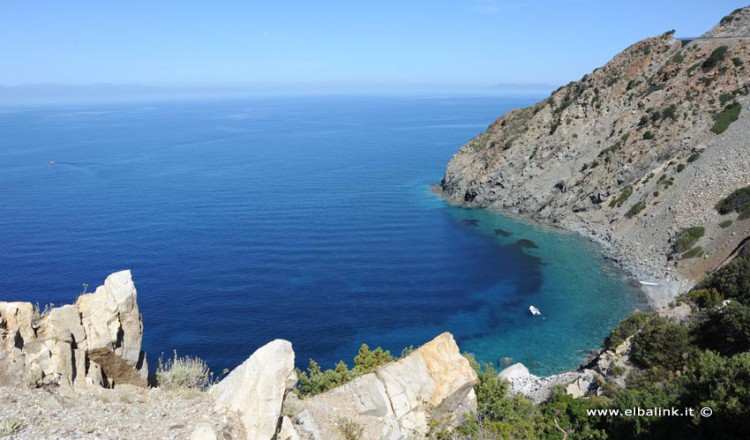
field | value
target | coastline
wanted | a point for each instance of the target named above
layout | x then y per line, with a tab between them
669	284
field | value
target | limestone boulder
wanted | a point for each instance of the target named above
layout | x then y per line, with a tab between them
256	389
431	386
96	341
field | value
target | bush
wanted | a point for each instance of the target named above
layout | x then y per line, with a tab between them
315	380
725	97
725	224
648	135
183	373
670	112
694	252
367	360
499	412
693	157
635	209
723	384
715	58
678	58
732	280
726	330
350	429
738	201
724	118
624	196
625	329
688	237
680	167
703	298
660	343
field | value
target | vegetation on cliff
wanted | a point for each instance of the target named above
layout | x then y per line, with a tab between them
702	362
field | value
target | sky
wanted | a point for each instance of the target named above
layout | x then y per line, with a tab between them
326	44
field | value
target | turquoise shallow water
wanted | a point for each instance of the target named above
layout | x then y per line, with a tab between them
309	219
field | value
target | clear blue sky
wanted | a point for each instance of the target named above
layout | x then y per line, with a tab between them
451	43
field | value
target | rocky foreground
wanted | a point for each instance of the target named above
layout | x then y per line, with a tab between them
78	372
630	155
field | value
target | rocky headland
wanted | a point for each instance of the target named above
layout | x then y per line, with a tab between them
631	155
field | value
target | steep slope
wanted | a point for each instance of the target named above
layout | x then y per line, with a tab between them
631	155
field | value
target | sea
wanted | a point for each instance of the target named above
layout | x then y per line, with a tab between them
309	218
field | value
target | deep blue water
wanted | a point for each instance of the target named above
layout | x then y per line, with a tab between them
308	219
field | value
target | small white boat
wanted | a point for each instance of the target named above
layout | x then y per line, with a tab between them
648	283
52	162
534	311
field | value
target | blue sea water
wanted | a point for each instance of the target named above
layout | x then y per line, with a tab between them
309	219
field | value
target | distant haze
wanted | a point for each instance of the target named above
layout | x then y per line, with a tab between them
190	47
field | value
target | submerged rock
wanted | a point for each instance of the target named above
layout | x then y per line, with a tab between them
525	243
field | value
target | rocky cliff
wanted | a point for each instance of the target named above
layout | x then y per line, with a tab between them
631	155
94	342
78	371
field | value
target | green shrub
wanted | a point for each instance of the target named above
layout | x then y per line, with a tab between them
625	329
183	373
717	56
703	298
744	214
724	118
648	135
670	112
694	252
678	58
693	157
688	237
738	201
726	329
680	167
725	224
733	279
725	97
366	360
635	209
315	381
692	68
736	61
624	196
499	411
660	343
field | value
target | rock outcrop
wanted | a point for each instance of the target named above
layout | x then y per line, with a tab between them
257	388
630	155
96	342
611	366
431	386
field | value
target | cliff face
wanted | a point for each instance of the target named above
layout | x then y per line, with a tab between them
94	342
631	154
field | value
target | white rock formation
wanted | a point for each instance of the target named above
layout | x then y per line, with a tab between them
536	388
398	400
256	389
97	341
